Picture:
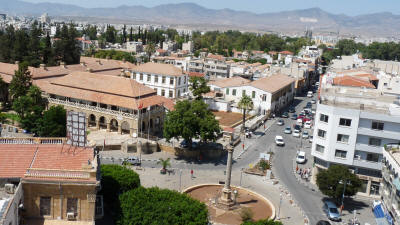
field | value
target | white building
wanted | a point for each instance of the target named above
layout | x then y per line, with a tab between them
188	46
268	94
45	18
168	80
134	46
215	66
169	46
353	121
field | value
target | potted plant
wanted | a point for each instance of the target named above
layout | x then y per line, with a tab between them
164	163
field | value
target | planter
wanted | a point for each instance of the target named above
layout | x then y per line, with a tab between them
163	171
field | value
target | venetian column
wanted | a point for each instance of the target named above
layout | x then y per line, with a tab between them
226	197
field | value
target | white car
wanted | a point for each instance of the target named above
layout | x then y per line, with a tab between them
280	122
299	122
309	94
279	141
296	133
301	157
288	130
313	101
305	134
131	160
307	124
310	139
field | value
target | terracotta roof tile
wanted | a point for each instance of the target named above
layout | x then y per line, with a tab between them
286	53
352	81
159	68
196	74
217	57
230	82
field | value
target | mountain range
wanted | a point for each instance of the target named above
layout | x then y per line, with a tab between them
195	16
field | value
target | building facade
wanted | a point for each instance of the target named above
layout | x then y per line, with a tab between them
390	191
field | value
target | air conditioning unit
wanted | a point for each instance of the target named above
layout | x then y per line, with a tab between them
70	215
10	188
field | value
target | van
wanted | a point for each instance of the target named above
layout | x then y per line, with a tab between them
131	160
299	122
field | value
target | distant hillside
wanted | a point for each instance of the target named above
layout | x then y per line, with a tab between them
191	14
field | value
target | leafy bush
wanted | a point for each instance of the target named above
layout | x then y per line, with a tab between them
115	180
264	165
160	206
246	214
263	222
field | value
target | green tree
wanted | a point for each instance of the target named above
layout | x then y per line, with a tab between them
150	49
331	182
34	45
115	180
246	104
161	206
47	51
198	86
21	82
52	123
22	106
3	91
263	222
191	120
3	118
21	42
164	163
7	45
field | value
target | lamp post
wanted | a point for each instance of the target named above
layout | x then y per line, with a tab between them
240	182
344	190
280	203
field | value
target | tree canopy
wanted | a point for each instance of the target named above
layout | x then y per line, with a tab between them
246	104
52	123
191	119
331	182
161	206
198	87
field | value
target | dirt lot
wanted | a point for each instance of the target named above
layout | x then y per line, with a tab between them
228	119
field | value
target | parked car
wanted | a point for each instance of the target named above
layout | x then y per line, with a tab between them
331	210
285	115
310	94
310	138
294	116
132	160
305	135
299	122
313	101
279	141
288	130
307	124
297	127
296	133
323	222
280	122
301	157
292	110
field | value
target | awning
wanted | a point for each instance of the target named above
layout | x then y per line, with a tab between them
382	218
378	211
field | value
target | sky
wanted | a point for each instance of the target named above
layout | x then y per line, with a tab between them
348	7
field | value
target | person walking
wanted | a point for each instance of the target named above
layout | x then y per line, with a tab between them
191	173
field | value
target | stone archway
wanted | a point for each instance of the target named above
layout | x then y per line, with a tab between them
143	128
151	124
103	122
92	120
125	127
113	125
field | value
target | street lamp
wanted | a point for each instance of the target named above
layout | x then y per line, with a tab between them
344	190
241	171
180	180
280	203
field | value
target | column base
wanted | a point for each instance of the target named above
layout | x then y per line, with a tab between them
226	200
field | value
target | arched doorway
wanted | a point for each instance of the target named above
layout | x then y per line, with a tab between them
103	122
113	125
92	120
151	124
143	128
125	128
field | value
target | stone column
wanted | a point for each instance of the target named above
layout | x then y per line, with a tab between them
97	124
108	126
226	197
119	129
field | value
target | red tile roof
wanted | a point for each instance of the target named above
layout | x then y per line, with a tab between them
286	53
352	81
196	74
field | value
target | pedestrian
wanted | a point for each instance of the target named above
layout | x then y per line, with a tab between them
300	171
297	168
191	173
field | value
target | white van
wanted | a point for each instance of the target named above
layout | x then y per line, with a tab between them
299	122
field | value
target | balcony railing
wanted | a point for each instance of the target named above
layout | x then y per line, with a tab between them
33	140
59	174
92	108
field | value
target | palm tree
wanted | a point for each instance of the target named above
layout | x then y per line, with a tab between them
245	103
165	163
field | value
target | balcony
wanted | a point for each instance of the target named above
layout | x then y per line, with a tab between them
379	133
367	164
33	141
59	174
92	108
368	148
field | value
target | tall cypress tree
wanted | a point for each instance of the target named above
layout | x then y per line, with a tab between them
131	34
21	81
6	44
34	45
47	51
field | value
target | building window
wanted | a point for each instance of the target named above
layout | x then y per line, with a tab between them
171	80
234	92
321	133
319	148
373	157
184	81
163	80
170	94
340	154
374	188
264	98
179	81
227	91
243	93
342	138
141	76
45	206
134	76
162	92
374	142
148	77
323	118
155	79
377	125
253	94
72	205
345	122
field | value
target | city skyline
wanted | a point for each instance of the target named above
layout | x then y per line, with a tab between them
258	6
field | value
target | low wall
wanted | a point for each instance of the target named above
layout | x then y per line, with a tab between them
206	152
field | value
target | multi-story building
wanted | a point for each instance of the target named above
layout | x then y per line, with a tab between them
353	121
188	46
167	80
46	181
215	66
196	65
134	46
169	46
390	187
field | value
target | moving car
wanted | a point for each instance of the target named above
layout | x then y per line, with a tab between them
310	94
288	130
132	160
279	141
313	101
331	210
301	157
296	133
307	124
305	135
280	122
285	115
